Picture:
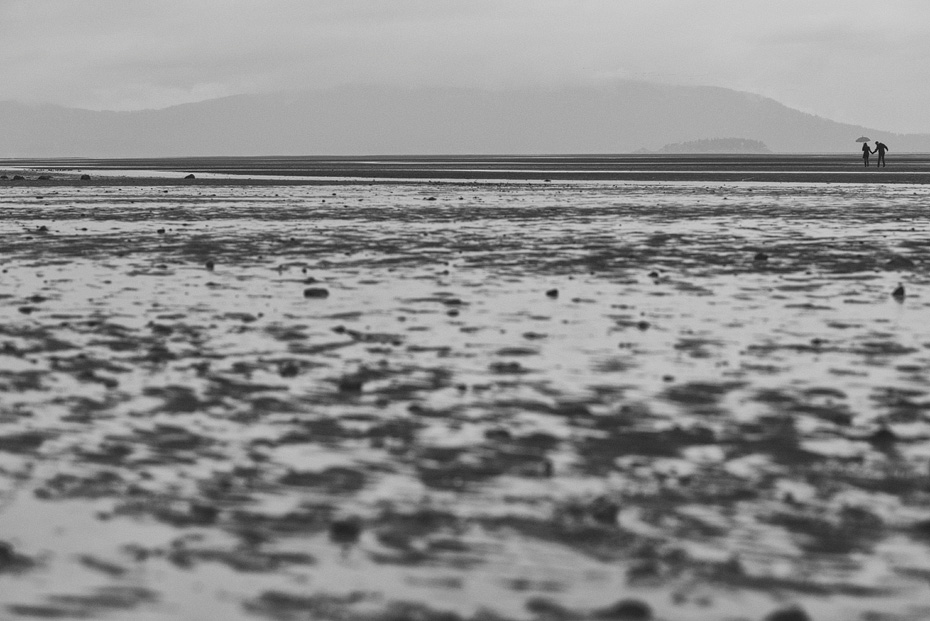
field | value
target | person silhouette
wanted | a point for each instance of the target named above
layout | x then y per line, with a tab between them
865	153
880	148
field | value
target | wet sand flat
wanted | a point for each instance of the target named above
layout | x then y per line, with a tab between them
803	168
464	400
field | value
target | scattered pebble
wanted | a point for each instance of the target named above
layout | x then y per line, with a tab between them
793	613
552	293
316	292
351	384
883	437
345	532
625	610
898	293
899	262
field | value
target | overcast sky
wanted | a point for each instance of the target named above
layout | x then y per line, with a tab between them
856	61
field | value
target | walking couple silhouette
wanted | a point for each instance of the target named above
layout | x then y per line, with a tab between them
880	148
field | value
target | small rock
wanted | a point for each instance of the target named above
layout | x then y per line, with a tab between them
44	178
6	553
203	514
209	265
899	262
289	369
85	177
351	384
545	608
604	511
626	610
898	293
793	613
552	293
345	531
431	198
160	231
643	325
18	178
316	292
190	176
883	437
761	256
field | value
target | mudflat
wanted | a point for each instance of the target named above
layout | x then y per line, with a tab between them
463	399
804	168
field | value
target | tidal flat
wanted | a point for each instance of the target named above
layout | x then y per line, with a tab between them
478	401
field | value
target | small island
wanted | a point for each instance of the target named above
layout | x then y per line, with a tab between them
715	145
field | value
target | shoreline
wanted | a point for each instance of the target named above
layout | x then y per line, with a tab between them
271	171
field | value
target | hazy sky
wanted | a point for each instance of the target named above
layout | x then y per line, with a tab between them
850	60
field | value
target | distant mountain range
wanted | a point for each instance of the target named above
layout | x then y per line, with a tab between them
375	120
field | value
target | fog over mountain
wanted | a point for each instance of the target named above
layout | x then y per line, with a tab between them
622	118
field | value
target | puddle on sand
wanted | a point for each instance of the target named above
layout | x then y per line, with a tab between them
631	401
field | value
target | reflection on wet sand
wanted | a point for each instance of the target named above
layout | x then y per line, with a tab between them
465	401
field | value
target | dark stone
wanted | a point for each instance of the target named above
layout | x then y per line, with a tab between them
203	514
289	369
18	178
546	608
85	177
898	293
209	265
643	325
626	610
190	176
552	293
604	511
793	613
316	292
351	384
7	554
761	256
899	262
883	437
160	231
345	531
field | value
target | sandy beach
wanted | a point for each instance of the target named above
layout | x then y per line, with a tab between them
488	389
